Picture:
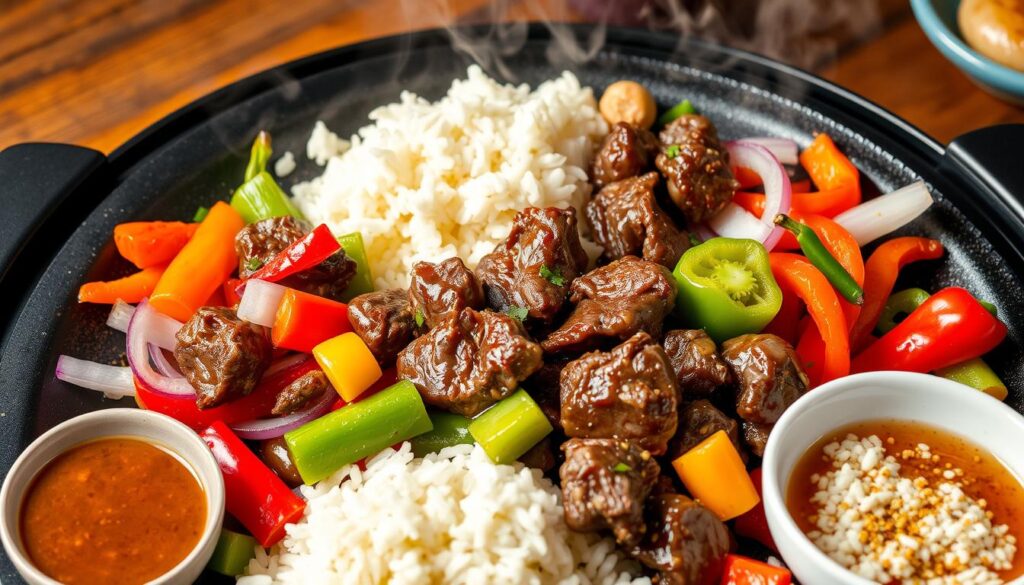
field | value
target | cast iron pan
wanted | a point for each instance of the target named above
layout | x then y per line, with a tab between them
61	202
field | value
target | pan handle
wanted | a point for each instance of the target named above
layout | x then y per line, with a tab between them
993	158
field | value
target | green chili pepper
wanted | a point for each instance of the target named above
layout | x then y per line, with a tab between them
357	430
510	428
822	259
989	307
232	554
726	287
898	306
681	109
259	196
362	282
449	430
259	155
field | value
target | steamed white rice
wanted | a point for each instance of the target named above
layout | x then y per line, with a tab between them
452	517
427	181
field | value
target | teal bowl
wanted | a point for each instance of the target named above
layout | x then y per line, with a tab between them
938	20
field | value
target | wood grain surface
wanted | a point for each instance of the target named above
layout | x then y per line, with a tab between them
96	72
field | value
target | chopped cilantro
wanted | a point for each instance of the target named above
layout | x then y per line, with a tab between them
694	239
621	468
200	214
672	150
518	313
553	276
419	318
253	264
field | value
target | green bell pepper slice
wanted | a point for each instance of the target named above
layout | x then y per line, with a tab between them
449	430
898	306
232	554
510	428
726	287
362	282
259	196
683	108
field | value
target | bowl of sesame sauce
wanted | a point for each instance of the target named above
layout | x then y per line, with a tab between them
893	477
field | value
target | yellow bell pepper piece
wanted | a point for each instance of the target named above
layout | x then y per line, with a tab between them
348	363
715	475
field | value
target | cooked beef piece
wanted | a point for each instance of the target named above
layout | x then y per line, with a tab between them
768	374
755	435
699	179
699	420
306	387
439	290
685	542
222	356
625	219
533	268
259	242
543	387
469	361
274	453
694	357
384	321
626	151
626	393
541	456
613	302
604	485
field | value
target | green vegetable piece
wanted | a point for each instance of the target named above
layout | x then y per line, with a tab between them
357	430
419	317
200	214
621	468
976	374
510	428
553	276
518	313
253	264
259	155
683	108
233	553
726	287
362	282
261	198
989	307
898	306
449	430
672	150
822	259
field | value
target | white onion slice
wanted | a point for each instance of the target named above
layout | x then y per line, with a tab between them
120	314
885	214
113	381
148	326
270	428
784	149
259	302
734	221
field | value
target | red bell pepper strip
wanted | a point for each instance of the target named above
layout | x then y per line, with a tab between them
786	323
744	571
254	494
948	328
880	272
130	289
753	524
304	320
796	275
231	296
302	254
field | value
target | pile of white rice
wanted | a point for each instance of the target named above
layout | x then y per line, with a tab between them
427	181
452	517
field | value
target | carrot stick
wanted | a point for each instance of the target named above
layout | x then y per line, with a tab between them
152	243
130	289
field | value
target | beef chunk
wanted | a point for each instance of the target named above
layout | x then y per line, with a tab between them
541	456
625	219
768	374
533	268
694	357
543	387
222	356
306	387
274	453
604	485
384	321
699	420
699	179
755	435
469	361
685	542
613	302
626	151
439	290
626	393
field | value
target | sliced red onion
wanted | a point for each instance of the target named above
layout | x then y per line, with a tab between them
148	326
734	221
259	302
286	362
883	215
703	232
120	314
113	381
163	365
270	428
784	149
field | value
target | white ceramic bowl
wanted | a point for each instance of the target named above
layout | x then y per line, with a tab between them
931	400
123	422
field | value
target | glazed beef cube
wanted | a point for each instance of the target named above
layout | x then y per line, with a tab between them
625	220
306	387
439	290
604	485
699	420
329	278
222	356
384	321
613	302
694	357
768	374
685	542
274	453
626	393
533	268
544	388
755	435
696	167
627	151
469	361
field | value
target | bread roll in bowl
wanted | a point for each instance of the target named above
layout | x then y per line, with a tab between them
995	28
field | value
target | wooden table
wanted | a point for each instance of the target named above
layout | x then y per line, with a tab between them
96	72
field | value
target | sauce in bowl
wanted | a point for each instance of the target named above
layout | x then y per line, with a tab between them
113	510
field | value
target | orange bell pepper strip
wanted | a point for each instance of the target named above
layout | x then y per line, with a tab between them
714	474
305	320
837	179
786	323
880	272
744	571
206	261
796	275
152	243
130	289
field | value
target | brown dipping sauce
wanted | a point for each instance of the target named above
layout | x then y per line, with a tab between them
987	477
115	510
